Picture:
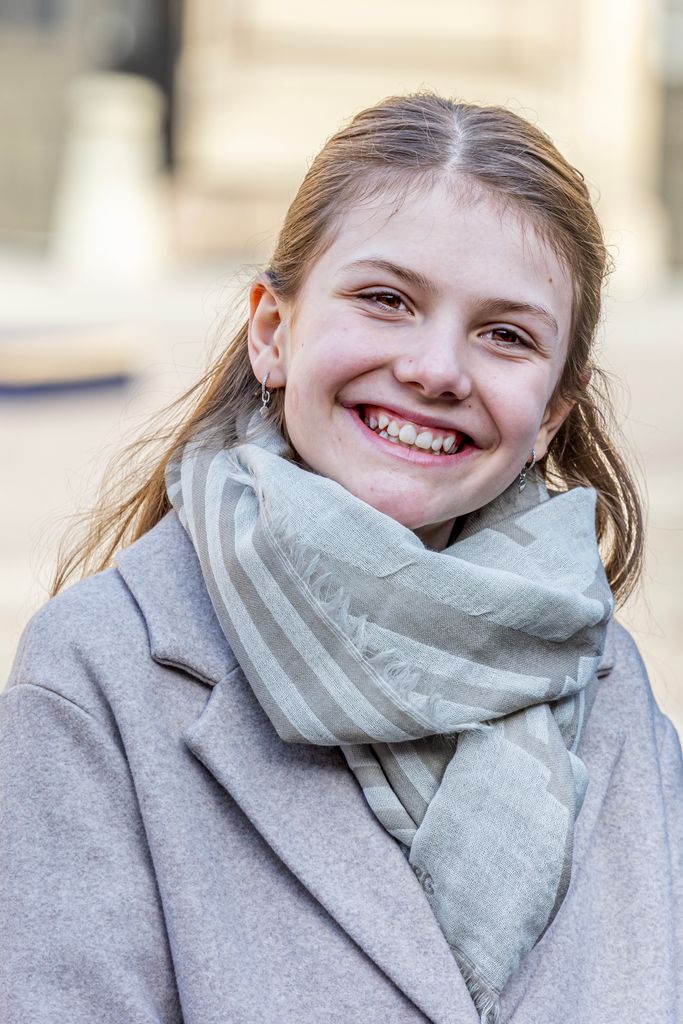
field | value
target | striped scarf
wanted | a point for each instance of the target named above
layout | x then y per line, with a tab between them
456	683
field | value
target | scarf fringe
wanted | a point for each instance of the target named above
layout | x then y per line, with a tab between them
330	599
485	998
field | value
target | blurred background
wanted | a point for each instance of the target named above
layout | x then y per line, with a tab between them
149	148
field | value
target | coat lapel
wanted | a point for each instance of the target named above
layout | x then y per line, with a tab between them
303	800
307	805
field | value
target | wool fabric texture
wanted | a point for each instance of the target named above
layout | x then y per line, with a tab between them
456	682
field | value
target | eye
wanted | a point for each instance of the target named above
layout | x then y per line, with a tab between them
505	337
386	300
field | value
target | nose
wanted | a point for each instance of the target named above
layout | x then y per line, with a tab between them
437	364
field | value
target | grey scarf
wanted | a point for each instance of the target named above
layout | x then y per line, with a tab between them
456	683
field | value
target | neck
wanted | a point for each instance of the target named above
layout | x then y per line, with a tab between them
436	536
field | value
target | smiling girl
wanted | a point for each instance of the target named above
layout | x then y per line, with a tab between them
347	732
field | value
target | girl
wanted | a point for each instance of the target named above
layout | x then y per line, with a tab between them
348	732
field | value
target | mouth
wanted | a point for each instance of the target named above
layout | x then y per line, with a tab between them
426	444
430	440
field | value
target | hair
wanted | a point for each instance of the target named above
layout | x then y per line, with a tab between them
402	143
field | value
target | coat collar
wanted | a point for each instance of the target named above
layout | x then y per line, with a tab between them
320	824
163	574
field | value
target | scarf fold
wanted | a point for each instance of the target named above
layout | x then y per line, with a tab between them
456	683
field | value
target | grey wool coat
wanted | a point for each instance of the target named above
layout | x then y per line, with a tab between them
166	858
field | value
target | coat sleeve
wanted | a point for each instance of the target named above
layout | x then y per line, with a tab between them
671	769
82	935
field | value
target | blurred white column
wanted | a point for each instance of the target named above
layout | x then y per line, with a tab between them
111	218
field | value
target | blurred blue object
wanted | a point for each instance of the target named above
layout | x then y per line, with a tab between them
9	390
35	361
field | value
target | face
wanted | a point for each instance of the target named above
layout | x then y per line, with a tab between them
420	356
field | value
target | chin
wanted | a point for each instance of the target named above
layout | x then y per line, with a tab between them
405	509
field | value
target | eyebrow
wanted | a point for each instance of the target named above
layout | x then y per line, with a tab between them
499	307
411	277
489	307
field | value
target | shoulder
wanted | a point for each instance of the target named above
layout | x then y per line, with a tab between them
114	635
623	647
67	644
625	697
628	674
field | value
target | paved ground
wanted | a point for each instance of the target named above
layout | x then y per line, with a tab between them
53	449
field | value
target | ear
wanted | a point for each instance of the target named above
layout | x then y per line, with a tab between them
268	332
555	414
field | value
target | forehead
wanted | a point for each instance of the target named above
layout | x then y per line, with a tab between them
464	240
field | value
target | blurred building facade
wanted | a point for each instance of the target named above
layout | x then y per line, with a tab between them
254	87
262	84
45	46
671	71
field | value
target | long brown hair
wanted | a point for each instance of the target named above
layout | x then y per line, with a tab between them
402	143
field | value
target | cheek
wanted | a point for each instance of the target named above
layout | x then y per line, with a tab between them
305	376
309	381
518	410
292	403
329	365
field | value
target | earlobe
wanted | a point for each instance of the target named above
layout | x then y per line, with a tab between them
267	332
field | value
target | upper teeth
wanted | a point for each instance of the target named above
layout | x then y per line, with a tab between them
409	434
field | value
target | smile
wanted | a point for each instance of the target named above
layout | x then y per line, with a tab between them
461	448
408	434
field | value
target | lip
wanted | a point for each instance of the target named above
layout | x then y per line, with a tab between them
399	451
419	419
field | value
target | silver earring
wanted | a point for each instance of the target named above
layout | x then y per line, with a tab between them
527	469
265	396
